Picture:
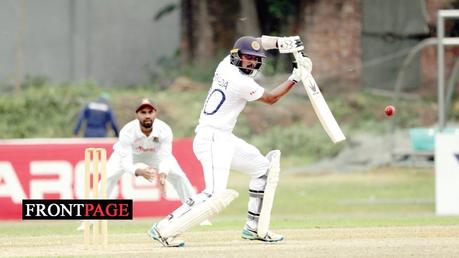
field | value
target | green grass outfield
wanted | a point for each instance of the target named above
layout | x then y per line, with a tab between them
385	212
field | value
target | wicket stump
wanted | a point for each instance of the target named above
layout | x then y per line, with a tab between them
95	164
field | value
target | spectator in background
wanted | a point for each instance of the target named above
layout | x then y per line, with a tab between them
97	114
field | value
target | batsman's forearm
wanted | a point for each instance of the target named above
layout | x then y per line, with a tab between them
275	94
269	42
283	88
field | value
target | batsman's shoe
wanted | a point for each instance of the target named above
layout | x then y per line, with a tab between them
169	242
252	235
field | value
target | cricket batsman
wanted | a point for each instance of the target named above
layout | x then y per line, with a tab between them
219	150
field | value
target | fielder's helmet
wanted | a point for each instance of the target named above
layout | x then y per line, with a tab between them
247	45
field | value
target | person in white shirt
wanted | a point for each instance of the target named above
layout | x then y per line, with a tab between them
144	148
218	149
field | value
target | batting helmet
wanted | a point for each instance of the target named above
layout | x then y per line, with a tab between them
247	45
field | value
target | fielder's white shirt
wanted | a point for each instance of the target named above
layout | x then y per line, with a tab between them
135	147
227	97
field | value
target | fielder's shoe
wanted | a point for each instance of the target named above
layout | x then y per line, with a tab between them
252	235
81	226
169	242
205	223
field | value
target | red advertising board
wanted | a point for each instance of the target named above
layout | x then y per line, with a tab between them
54	169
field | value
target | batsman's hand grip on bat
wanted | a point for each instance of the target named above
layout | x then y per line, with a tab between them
295	76
303	62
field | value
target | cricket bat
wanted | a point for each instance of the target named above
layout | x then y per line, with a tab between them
320	105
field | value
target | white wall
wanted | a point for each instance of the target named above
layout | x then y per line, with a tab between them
111	41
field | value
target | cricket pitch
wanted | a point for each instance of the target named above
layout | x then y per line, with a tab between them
404	241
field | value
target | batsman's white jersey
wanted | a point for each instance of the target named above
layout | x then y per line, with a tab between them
155	150
227	97
215	146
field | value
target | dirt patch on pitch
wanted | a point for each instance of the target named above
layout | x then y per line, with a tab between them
425	241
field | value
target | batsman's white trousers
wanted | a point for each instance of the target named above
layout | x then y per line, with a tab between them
220	151
176	177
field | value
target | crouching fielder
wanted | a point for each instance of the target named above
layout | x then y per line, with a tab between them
219	150
144	148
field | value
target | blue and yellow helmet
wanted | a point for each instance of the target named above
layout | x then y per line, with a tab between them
247	45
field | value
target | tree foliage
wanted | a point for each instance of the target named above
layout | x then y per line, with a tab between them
209	28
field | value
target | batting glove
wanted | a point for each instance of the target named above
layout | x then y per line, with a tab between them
289	44
306	64
295	76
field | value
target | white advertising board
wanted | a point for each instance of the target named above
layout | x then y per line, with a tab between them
447	174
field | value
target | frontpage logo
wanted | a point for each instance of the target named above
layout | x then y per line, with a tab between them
98	209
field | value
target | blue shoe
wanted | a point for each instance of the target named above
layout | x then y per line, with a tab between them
253	235
169	242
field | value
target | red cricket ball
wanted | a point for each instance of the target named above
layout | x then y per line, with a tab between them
389	110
